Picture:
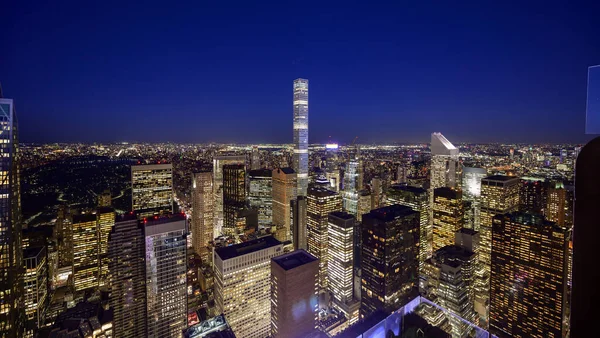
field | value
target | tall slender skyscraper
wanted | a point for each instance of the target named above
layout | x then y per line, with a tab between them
85	252
127	277
299	226
301	134
444	158
350	193
218	163
11	253
284	191
152	189
234	196
106	221
448	216
202	210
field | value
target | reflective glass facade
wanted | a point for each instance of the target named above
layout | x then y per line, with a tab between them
300	159
218	163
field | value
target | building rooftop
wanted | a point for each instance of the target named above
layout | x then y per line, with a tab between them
156	220
447	193
341	215
526	218
245	248
84	218
453	255
162	166
467	231
390	212
441	146
103	210
320	191
500	178
408	188
32	252
260	173
286	170
294	259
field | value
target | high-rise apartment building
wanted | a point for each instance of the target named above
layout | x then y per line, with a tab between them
284	191
390	258
260	194
300	159
532	195
556	204
294	294
415	198
299	223
85	251
218	163
202	210
126	250
11	253
152	189
166	289
243	285
106	221
234	196
350	193
499	195
340	264
36	287
448	216
320	202
529	276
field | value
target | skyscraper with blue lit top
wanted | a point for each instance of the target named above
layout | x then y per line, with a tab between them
301	134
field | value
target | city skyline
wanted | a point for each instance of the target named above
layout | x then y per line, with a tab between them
394	66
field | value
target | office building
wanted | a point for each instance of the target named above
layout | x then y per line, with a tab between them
64	237
255	159
450	282
36	287
415	198
218	163
444	159
364	204
499	195
556	204
166	289
350	193
243	285
529	276
284	191
234	196
532	195
105	199
294	294
126	250
202	210
85	252
390	258
85	320
319	203
471	192
299	223
215	327
11	253
152	189
448	216
300	159
106	221
376	193
260	195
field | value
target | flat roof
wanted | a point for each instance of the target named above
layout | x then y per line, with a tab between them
163	166
260	173
390	212
409	188
467	231
84	218
245	248
320	191
501	178
294	259
285	170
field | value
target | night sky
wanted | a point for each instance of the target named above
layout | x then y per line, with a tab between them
389	71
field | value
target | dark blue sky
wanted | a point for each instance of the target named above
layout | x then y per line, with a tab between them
486	71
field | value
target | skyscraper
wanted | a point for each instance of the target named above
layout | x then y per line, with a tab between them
390	258
85	252
260	194
350	192
320	202
284	191
36	287
299	223
556	204
376	193
152	189
340	264
532	195
11	253
529	276
448	216
471	191
444	158
243	285
106	221
255	159
218	163
415	198
202	210
301	134
364	204
499	195
234	196
294	294
64	237
126	247
166	289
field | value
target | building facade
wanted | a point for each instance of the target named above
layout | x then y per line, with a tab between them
106	221
294	294
319	203
350	193
234	196
260	194
300	160
218	163
166	289
152	189
85	252
299	223
243	285
390	258
36	287
448	216
529	276
284	191
202	210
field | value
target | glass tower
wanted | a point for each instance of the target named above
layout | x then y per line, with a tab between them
152	189
202	210
301	134
11	254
